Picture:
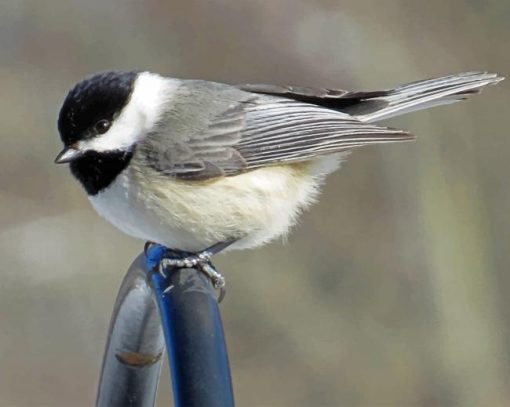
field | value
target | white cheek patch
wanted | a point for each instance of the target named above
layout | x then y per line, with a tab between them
150	94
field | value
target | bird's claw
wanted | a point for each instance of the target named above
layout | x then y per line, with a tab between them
173	259
217	279
185	262
201	262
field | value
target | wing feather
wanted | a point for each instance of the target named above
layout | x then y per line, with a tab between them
249	131
289	131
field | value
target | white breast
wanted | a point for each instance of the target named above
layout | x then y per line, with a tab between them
254	207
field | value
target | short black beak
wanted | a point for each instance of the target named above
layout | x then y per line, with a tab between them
67	155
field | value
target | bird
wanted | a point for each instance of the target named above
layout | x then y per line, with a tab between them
199	166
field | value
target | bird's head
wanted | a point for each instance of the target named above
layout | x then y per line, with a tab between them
108	113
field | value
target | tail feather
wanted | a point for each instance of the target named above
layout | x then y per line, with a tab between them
422	95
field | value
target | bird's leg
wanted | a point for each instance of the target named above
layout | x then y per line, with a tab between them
201	261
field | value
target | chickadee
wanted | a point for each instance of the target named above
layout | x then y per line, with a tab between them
190	163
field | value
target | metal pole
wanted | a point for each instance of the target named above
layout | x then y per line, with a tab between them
133	356
194	336
190	324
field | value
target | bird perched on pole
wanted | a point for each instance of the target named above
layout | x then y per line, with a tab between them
191	164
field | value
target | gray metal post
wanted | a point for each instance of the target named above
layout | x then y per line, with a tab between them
133	356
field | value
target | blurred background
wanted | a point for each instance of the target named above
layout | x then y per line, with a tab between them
394	288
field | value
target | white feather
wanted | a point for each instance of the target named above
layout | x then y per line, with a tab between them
255	207
143	110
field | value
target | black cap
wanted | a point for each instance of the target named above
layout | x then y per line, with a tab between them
99	97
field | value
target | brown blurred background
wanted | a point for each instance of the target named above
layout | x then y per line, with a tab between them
394	288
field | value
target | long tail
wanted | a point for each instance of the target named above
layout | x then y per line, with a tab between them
422	95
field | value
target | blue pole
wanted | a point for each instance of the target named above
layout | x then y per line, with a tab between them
194	336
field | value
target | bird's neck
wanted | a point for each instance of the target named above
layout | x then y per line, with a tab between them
96	171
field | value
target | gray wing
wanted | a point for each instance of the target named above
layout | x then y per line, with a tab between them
220	130
285	131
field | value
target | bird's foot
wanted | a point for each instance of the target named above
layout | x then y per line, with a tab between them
172	259
200	261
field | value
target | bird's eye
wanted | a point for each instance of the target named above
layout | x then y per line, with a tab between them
102	126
